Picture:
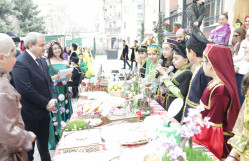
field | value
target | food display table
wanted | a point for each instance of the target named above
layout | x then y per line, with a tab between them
112	150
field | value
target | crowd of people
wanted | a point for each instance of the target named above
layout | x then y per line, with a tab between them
37	97
201	71
209	73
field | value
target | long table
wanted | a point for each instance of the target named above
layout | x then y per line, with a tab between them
157	110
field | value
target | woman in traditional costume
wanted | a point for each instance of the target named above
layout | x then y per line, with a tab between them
220	99
221	34
178	84
88	58
63	108
240	141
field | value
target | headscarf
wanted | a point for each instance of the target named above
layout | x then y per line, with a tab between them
222	62
6	44
245	22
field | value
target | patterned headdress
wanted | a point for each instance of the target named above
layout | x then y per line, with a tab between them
171	42
153	47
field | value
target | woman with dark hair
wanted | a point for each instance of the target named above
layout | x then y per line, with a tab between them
66	53
169	46
221	34
63	109
220	100
240	141
240	65
73	49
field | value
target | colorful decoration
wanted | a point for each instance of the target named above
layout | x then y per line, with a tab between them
55	123
62	110
55	110
61	97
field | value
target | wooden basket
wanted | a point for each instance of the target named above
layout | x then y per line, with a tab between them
115	93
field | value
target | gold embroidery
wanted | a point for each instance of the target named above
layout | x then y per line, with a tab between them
217	125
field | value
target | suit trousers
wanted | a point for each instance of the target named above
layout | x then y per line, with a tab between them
40	128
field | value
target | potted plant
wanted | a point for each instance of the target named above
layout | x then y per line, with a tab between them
176	27
166	28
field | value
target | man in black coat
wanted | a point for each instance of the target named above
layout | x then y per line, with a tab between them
124	55
33	82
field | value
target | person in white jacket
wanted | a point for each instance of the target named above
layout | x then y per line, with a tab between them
241	68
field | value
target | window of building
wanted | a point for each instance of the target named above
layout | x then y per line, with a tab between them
213	10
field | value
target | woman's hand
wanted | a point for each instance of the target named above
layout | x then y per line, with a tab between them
160	70
33	136
55	77
69	76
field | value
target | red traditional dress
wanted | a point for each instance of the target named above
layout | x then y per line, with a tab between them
221	103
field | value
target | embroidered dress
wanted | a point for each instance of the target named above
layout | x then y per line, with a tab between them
240	141
142	69
197	85
221	102
215	137
62	110
178	87
221	35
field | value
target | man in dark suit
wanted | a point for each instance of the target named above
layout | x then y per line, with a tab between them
33	82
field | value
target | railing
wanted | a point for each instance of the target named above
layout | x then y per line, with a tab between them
171	20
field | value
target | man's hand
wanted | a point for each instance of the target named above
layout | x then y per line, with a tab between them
33	136
51	104
196	23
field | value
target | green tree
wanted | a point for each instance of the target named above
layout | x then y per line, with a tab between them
7	13
29	19
142	32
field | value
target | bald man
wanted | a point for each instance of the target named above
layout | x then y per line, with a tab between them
181	36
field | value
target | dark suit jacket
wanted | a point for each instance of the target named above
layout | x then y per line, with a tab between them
34	85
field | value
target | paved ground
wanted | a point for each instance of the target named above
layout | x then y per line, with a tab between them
107	66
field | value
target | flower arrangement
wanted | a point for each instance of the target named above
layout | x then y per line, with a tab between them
166	26
177	25
188	31
159	29
176	152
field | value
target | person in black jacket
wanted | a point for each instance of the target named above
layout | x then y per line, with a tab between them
76	74
73	49
124	55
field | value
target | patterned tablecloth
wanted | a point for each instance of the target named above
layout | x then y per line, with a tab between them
157	110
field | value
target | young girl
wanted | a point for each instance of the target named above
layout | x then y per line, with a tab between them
169	46
14	140
142	52
177	85
220	99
